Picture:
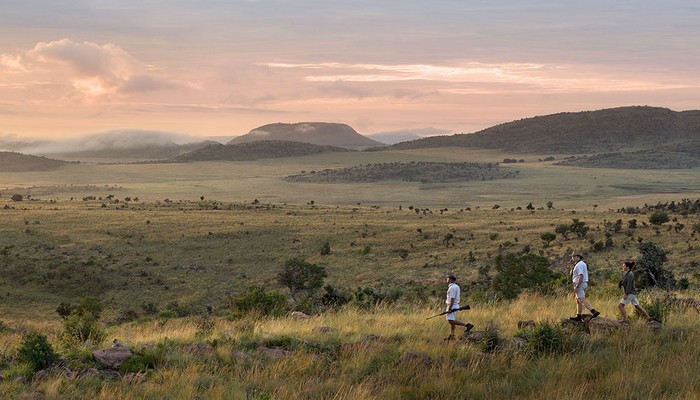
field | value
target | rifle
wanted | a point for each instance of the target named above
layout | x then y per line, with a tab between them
453	310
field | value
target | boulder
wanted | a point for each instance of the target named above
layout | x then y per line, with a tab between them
601	326
473	336
275	352
299	315
324	329
654	325
114	356
526	324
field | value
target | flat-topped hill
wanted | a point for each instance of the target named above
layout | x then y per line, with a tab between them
318	133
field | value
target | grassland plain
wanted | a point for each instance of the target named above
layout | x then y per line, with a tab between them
537	182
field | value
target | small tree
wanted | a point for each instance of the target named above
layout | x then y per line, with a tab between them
548	237
563	230
650	267
300	276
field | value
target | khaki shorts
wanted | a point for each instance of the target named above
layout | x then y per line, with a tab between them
630	298
453	315
581	292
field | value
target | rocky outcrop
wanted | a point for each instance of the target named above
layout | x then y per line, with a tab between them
114	356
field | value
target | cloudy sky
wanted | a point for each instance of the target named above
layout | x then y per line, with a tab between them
224	67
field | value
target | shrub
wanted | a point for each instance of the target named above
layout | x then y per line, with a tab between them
548	237
545	338
17	197
491	338
257	300
517	272
658	218
37	351
82	323
657	309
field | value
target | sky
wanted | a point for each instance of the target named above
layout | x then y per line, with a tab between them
225	67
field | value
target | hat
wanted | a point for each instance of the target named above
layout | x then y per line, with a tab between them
452	277
576	253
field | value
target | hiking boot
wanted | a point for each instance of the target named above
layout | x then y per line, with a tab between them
468	328
622	321
576	318
595	313
451	337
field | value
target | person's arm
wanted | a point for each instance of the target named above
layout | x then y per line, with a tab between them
452	303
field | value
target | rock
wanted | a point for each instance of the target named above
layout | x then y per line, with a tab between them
324	329
20	379
526	324
201	350
42	375
114	356
241	356
299	315
654	325
275	352
473	336
602	326
415	359
135	377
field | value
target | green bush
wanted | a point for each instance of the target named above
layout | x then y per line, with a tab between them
257	300
658	218
544	339
82	323
491	339
657	309
37	351
301	276
517	272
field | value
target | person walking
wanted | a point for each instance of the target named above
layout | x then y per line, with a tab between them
452	301
627	283
579	276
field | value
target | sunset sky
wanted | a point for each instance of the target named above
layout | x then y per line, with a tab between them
216	67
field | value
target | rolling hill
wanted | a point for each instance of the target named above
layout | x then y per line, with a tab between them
318	133
254	151
603	131
18	162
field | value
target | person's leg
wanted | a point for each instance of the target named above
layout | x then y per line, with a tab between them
621	307
639	308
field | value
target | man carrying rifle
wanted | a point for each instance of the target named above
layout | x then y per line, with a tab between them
452	300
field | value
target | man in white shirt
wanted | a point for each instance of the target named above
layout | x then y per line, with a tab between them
579	276
452	301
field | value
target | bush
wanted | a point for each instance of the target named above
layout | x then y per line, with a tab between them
257	300
657	309
658	218
650	267
545	338
82	322
37	351
491	339
17	197
518	272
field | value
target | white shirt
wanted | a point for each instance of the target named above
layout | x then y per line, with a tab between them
453	293
579	269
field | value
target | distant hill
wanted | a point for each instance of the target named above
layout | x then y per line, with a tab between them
405	135
609	130
127	145
680	155
318	133
18	162
255	151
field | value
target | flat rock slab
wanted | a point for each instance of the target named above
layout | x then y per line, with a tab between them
114	356
601	326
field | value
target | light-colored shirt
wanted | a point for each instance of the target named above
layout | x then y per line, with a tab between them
579	269
453	292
